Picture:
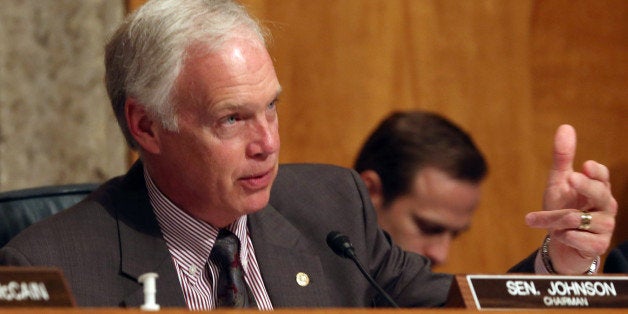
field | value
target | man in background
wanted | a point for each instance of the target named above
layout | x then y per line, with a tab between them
423	174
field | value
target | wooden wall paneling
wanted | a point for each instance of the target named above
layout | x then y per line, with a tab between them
507	71
579	62
346	64
131	5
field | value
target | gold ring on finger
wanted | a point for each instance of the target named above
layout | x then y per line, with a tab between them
585	220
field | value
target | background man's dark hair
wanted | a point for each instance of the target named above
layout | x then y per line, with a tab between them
406	142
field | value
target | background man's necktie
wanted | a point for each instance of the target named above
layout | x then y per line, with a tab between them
231	290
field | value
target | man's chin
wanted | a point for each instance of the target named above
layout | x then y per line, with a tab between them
256	203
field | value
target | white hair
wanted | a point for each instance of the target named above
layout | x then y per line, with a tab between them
145	56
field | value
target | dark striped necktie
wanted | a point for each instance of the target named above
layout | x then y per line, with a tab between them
232	290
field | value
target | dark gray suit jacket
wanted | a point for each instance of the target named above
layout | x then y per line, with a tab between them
104	243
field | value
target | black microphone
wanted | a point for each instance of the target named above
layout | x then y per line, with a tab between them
342	247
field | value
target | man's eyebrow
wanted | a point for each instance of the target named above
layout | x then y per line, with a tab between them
279	91
420	221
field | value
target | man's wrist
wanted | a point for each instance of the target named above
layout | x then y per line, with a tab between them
547	261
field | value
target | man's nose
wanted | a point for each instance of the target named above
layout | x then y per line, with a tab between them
438	251
265	139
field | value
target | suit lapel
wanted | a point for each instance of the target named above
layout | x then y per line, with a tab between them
282	252
142	247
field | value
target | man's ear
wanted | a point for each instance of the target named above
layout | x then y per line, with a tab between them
374	186
142	126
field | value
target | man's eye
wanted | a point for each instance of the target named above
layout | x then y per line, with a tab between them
432	230
272	105
428	228
231	120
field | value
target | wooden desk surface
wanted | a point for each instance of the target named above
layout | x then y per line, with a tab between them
298	311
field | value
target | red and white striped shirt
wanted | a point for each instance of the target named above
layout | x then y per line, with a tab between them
190	241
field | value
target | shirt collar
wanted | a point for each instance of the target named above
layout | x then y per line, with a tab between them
190	238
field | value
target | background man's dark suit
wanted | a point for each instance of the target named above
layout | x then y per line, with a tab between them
617	260
104	243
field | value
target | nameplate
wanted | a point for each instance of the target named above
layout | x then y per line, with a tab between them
33	287
537	291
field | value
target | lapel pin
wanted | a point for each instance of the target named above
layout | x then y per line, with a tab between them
303	279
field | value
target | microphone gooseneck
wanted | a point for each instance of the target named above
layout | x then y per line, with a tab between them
341	245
